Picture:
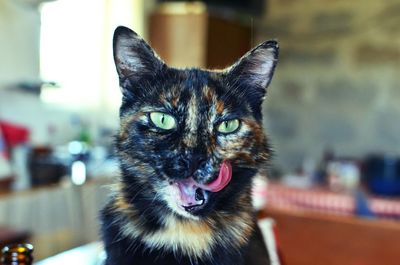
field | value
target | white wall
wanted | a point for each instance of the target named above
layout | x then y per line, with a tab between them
75	51
19	41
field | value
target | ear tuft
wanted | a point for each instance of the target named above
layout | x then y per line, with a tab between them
133	57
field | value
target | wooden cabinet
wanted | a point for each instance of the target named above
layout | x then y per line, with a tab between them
186	35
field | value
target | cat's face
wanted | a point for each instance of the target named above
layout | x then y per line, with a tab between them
190	140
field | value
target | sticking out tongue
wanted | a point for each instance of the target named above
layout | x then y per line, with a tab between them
192	193
224	177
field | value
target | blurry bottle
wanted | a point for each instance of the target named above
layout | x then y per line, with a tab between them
84	135
19	254
81	129
321	176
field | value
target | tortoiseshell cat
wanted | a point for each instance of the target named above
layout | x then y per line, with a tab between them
189	144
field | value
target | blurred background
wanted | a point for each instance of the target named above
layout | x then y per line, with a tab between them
332	114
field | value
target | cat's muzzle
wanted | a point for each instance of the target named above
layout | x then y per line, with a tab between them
192	196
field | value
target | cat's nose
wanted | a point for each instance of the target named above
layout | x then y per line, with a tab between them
193	163
198	161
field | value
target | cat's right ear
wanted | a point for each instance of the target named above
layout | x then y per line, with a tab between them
134	58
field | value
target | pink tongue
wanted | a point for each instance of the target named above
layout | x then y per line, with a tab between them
187	187
224	177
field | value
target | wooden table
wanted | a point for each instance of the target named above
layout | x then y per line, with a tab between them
308	238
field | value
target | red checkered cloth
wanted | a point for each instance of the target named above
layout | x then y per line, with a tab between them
317	199
385	208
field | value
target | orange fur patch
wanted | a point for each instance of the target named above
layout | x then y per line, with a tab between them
220	106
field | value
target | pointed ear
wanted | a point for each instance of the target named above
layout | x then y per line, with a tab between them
255	69
133	57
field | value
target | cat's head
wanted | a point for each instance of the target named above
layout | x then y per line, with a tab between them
190	140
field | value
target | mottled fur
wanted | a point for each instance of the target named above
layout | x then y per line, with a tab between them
140	225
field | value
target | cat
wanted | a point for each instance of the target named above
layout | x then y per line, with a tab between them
189	144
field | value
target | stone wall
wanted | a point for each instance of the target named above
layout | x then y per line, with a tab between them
338	80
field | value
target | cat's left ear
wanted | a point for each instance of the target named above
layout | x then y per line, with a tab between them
255	69
134	58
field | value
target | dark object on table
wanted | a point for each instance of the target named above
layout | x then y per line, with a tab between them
383	175
17	254
45	169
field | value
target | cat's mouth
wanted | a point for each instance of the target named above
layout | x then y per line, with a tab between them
192	196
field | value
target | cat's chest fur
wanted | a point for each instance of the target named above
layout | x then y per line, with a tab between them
180	242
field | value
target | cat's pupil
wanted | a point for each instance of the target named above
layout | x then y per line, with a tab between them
162	119
226	124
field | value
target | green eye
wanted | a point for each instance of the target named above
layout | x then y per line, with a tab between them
228	126
162	120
